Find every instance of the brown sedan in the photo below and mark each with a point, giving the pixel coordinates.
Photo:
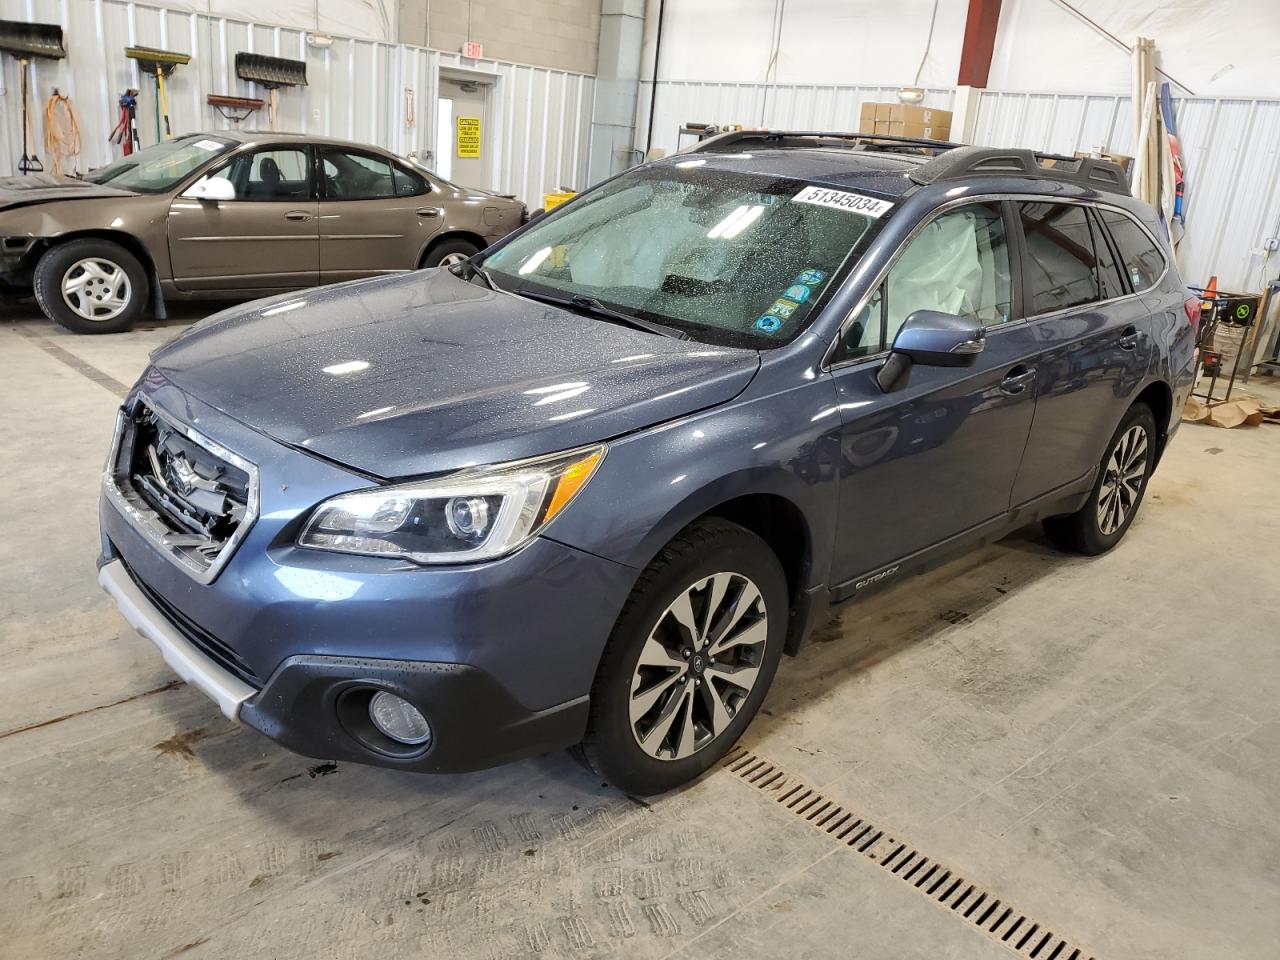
(231, 214)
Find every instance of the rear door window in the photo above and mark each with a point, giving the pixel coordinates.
(1060, 268)
(349, 175)
(1143, 261)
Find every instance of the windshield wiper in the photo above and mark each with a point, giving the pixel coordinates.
(476, 271)
(595, 308)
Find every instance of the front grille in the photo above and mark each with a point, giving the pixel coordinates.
(201, 638)
(191, 497)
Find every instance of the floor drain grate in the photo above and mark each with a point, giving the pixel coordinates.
(978, 907)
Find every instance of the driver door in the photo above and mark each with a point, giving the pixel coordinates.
(937, 456)
(266, 238)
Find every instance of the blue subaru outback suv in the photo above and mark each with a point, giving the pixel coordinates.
(588, 487)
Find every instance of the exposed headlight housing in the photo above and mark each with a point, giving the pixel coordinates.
(465, 517)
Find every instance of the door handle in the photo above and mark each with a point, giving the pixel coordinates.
(1016, 380)
(299, 215)
(428, 211)
(1128, 338)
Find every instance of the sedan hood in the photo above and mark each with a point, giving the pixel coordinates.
(424, 373)
(45, 187)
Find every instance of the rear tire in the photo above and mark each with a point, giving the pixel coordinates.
(689, 661)
(1117, 492)
(448, 252)
(91, 286)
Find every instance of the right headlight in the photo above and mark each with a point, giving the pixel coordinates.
(462, 518)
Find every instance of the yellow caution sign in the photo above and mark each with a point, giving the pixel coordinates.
(468, 137)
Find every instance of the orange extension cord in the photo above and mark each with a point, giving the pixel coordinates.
(61, 131)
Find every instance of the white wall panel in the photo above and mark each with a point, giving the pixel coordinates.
(791, 105)
(1232, 151)
(537, 134)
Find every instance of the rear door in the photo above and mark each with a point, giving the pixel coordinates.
(938, 456)
(1095, 339)
(264, 239)
(376, 215)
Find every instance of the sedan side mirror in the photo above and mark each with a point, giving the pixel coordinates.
(934, 339)
(210, 188)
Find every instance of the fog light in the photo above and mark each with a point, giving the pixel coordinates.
(398, 719)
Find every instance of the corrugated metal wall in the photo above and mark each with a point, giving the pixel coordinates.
(798, 106)
(356, 90)
(1232, 150)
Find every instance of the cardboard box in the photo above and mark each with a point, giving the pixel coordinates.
(867, 118)
(905, 120)
(918, 131)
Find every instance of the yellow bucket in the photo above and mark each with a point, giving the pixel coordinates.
(552, 200)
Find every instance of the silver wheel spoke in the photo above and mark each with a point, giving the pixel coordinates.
(652, 741)
(720, 715)
(682, 610)
(748, 636)
(642, 703)
(655, 654)
(743, 676)
(685, 747)
(746, 599)
(717, 587)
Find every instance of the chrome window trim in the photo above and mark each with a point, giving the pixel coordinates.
(828, 366)
(149, 526)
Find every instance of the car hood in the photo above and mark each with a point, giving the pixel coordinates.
(35, 188)
(424, 372)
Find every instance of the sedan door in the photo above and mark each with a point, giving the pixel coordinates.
(266, 238)
(939, 455)
(376, 216)
(1095, 339)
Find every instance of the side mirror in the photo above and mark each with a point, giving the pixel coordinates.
(210, 188)
(933, 339)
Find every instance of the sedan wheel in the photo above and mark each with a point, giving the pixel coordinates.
(449, 259)
(699, 664)
(1126, 471)
(96, 289)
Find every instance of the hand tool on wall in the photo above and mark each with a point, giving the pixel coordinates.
(233, 109)
(26, 41)
(271, 73)
(61, 130)
(158, 63)
(125, 132)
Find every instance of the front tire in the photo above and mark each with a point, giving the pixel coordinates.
(690, 660)
(1117, 492)
(91, 286)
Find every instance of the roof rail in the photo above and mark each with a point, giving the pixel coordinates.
(1006, 162)
(807, 138)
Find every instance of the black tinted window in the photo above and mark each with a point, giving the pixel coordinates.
(357, 176)
(1142, 261)
(1060, 266)
(1110, 276)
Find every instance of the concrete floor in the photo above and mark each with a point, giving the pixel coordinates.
(1094, 742)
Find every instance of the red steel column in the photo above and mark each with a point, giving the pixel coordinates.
(979, 43)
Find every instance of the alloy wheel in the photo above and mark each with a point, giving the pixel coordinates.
(698, 666)
(1125, 472)
(449, 259)
(96, 289)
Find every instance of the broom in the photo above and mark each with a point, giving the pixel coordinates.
(158, 63)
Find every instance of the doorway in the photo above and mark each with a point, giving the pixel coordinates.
(464, 134)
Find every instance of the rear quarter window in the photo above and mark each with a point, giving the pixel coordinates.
(1142, 259)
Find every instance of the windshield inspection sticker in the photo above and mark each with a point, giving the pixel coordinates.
(799, 293)
(843, 200)
(811, 277)
(768, 324)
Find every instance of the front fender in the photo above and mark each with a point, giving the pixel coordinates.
(654, 483)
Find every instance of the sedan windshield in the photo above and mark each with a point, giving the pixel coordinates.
(158, 168)
(728, 258)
